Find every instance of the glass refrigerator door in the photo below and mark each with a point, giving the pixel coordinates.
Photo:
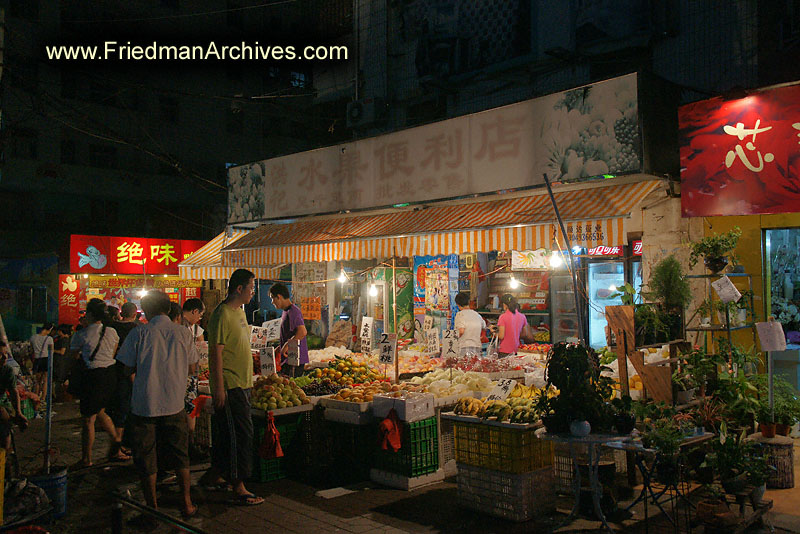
(565, 317)
(603, 280)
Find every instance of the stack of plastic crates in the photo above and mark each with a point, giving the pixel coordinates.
(418, 454)
(276, 468)
(447, 444)
(502, 471)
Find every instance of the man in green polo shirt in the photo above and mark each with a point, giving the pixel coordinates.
(231, 378)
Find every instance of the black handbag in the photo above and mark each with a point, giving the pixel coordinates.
(78, 376)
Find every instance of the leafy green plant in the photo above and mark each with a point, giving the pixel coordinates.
(663, 435)
(707, 414)
(729, 454)
(626, 293)
(623, 405)
(668, 286)
(705, 308)
(714, 246)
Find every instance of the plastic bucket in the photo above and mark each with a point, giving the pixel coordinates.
(55, 486)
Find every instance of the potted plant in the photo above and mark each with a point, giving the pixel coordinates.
(732, 313)
(624, 420)
(766, 421)
(729, 459)
(714, 249)
(668, 293)
(707, 414)
(713, 509)
(685, 385)
(664, 436)
(704, 312)
(758, 472)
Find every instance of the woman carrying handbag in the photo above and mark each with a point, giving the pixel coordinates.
(96, 346)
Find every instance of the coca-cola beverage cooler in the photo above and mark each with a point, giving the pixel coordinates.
(608, 268)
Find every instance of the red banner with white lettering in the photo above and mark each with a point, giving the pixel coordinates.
(128, 255)
(741, 157)
(605, 251)
(69, 299)
(637, 248)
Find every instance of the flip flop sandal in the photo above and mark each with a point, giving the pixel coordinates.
(189, 515)
(245, 500)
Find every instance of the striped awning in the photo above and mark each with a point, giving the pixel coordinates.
(206, 262)
(593, 216)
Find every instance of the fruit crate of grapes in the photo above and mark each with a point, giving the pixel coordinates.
(501, 448)
(516, 497)
(418, 454)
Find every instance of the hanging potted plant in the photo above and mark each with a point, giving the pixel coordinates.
(714, 249)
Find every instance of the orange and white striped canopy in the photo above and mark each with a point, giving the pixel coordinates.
(206, 262)
(593, 216)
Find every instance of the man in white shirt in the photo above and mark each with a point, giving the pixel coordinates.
(469, 326)
(160, 353)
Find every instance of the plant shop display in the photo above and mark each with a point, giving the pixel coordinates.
(664, 436)
(624, 420)
(714, 249)
(707, 414)
(731, 458)
(668, 293)
(574, 370)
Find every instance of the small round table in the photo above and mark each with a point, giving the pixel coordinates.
(780, 455)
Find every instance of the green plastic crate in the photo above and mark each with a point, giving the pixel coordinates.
(274, 468)
(418, 454)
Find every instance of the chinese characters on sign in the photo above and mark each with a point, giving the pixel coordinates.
(741, 157)
(273, 329)
(258, 337)
(267, 359)
(502, 390)
(449, 343)
(605, 251)
(511, 144)
(579, 232)
(432, 340)
(311, 308)
(366, 334)
(128, 255)
(388, 348)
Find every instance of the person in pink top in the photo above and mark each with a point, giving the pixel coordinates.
(509, 326)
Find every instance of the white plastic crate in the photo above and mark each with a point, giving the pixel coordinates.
(394, 480)
(514, 497)
(414, 407)
(347, 416)
(344, 405)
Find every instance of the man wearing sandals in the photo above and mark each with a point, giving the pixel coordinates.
(160, 353)
(231, 379)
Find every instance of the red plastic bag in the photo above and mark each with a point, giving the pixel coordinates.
(390, 432)
(271, 444)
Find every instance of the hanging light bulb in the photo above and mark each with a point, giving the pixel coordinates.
(514, 283)
(342, 277)
(373, 290)
(555, 260)
(612, 287)
(142, 293)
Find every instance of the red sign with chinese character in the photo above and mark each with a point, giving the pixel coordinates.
(69, 297)
(637, 248)
(128, 255)
(605, 251)
(741, 157)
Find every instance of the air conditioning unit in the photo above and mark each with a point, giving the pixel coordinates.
(363, 112)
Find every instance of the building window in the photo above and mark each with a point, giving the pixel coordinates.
(103, 156)
(67, 150)
(168, 109)
(24, 143)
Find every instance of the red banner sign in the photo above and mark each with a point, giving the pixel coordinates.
(128, 255)
(69, 299)
(605, 251)
(637, 248)
(741, 157)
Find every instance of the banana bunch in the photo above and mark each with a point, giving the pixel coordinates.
(499, 409)
(523, 410)
(469, 406)
(524, 392)
(542, 336)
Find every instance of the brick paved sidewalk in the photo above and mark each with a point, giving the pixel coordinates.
(291, 506)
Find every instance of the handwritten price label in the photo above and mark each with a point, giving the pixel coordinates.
(726, 290)
(366, 334)
(272, 329)
(258, 338)
(293, 357)
(449, 343)
(502, 390)
(432, 340)
(267, 358)
(388, 348)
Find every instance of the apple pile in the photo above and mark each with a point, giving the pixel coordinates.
(274, 392)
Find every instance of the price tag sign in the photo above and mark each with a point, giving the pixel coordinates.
(293, 356)
(428, 323)
(258, 338)
(432, 340)
(449, 343)
(388, 348)
(726, 291)
(267, 358)
(502, 390)
(366, 334)
(771, 335)
(273, 329)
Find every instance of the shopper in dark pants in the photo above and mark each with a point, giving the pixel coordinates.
(231, 378)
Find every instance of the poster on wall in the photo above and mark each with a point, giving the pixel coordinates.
(741, 157)
(443, 264)
(69, 297)
(304, 275)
